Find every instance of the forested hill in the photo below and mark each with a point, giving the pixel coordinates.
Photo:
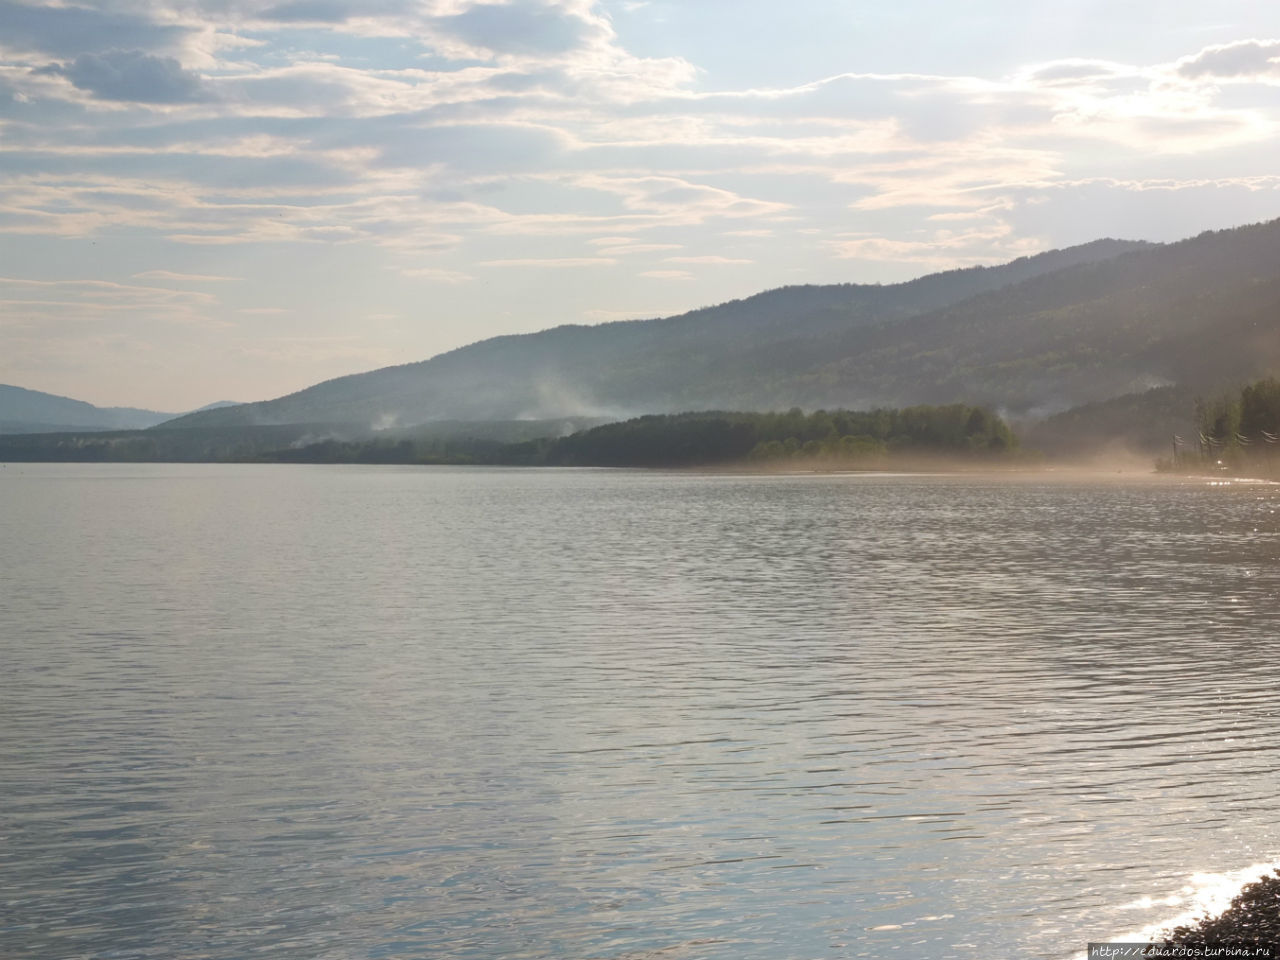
(760, 353)
(1030, 338)
(1197, 314)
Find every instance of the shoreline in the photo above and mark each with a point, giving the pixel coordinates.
(1012, 472)
(1235, 908)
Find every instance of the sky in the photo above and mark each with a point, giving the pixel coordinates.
(207, 200)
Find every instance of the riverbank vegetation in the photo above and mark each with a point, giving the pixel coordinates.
(837, 437)
(824, 439)
(1238, 432)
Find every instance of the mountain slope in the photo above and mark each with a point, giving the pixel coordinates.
(750, 353)
(1196, 313)
(1032, 337)
(31, 411)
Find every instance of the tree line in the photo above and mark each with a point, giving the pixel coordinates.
(835, 437)
(1235, 431)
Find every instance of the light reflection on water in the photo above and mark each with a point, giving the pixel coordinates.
(385, 712)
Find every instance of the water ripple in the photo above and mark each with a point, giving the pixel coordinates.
(383, 713)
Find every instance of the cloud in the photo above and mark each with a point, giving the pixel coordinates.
(679, 199)
(517, 28)
(1075, 70)
(438, 275)
(131, 75)
(941, 249)
(668, 274)
(971, 175)
(620, 246)
(163, 275)
(638, 248)
(310, 11)
(555, 263)
(475, 148)
(1243, 59)
(32, 303)
(711, 259)
(316, 87)
(67, 31)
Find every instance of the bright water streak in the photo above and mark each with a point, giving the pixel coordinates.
(388, 713)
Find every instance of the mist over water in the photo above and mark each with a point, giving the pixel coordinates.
(398, 712)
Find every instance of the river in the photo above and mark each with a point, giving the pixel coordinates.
(381, 712)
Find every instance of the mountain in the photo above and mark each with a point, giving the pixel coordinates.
(216, 405)
(1198, 313)
(755, 353)
(1031, 338)
(30, 411)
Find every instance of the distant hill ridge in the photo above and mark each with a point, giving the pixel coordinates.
(32, 411)
(755, 353)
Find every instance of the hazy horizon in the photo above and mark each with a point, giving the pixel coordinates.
(204, 201)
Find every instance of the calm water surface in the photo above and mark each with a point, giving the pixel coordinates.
(310, 712)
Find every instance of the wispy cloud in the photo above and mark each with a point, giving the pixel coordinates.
(553, 263)
(710, 259)
(437, 274)
(175, 277)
